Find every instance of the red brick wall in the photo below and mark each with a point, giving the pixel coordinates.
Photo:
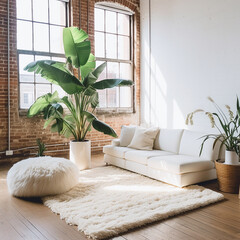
(25, 131)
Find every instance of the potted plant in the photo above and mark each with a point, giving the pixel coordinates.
(228, 128)
(82, 95)
(229, 136)
(41, 148)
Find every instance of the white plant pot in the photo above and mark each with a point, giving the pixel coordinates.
(231, 158)
(80, 154)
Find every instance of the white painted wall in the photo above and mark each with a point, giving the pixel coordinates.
(189, 51)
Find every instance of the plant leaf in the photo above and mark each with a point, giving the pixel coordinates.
(110, 83)
(103, 127)
(69, 83)
(99, 70)
(90, 117)
(88, 67)
(42, 104)
(76, 48)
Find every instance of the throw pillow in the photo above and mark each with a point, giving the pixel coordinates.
(126, 136)
(143, 138)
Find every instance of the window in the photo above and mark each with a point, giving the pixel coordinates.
(40, 24)
(113, 44)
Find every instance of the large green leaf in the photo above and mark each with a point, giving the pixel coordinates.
(68, 82)
(88, 67)
(76, 47)
(57, 126)
(103, 127)
(99, 69)
(94, 100)
(93, 76)
(42, 103)
(110, 83)
(90, 117)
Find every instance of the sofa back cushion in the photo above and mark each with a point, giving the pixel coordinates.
(127, 133)
(143, 138)
(191, 144)
(168, 140)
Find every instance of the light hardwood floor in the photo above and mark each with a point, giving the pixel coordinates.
(30, 220)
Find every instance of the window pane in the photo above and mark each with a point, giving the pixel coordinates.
(99, 44)
(111, 46)
(112, 70)
(113, 97)
(40, 10)
(58, 59)
(60, 91)
(42, 89)
(123, 24)
(57, 12)
(24, 9)
(126, 71)
(24, 35)
(26, 95)
(123, 48)
(99, 19)
(125, 96)
(41, 37)
(24, 60)
(111, 23)
(102, 98)
(56, 39)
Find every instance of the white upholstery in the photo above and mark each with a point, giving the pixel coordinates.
(42, 176)
(114, 161)
(182, 180)
(168, 140)
(179, 164)
(136, 167)
(116, 142)
(127, 133)
(175, 158)
(191, 144)
(142, 156)
(143, 138)
(116, 151)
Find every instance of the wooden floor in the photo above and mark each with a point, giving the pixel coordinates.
(30, 220)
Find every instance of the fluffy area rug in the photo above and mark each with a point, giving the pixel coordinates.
(109, 200)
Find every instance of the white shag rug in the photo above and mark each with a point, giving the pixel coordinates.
(109, 200)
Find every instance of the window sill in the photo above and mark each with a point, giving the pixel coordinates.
(22, 112)
(114, 111)
(106, 111)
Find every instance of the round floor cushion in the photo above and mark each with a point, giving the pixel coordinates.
(42, 176)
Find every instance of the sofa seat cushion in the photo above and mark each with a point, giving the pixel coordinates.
(116, 151)
(142, 156)
(180, 164)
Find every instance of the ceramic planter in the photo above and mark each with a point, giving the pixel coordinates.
(231, 158)
(80, 154)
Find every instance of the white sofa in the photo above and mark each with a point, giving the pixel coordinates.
(174, 159)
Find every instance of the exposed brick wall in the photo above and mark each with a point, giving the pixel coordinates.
(25, 131)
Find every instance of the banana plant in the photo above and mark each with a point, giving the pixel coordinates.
(81, 98)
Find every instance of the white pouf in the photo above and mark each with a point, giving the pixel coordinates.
(42, 176)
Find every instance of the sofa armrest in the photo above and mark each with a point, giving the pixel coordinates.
(116, 142)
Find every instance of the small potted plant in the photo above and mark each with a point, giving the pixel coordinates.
(229, 136)
(41, 148)
(81, 98)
